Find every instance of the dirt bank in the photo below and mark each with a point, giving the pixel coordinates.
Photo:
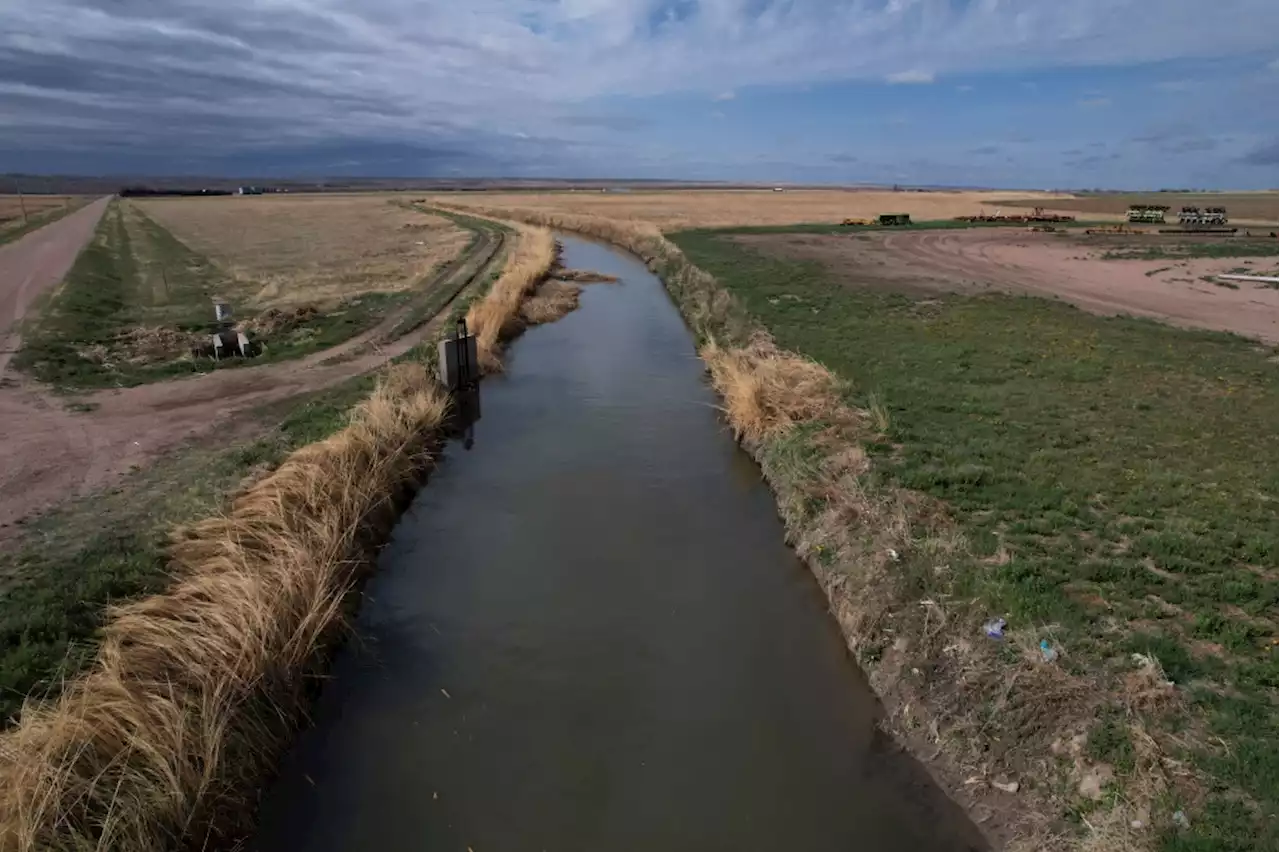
(1068, 267)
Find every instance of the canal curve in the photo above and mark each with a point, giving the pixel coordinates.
(587, 633)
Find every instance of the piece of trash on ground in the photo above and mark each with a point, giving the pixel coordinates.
(995, 628)
(1049, 652)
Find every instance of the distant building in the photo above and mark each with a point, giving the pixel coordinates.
(249, 190)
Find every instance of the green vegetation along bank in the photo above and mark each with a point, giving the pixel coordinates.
(1114, 481)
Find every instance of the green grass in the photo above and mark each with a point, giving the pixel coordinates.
(1128, 468)
(73, 562)
(132, 274)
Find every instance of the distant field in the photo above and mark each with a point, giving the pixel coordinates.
(40, 210)
(681, 209)
(1243, 207)
(284, 251)
(300, 275)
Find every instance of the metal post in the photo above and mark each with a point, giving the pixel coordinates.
(23, 205)
(466, 383)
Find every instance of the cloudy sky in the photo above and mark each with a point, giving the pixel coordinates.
(1035, 93)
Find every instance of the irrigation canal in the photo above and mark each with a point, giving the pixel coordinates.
(588, 634)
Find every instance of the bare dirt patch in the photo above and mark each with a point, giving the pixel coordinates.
(674, 210)
(287, 251)
(1067, 266)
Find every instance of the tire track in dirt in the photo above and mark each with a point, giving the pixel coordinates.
(51, 453)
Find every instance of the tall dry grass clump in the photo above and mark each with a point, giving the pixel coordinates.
(497, 317)
(195, 690)
(767, 390)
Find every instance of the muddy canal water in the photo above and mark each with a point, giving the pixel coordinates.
(588, 634)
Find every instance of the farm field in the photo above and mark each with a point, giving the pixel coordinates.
(681, 209)
(300, 275)
(40, 210)
(1112, 483)
(1259, 208)
(282, 252)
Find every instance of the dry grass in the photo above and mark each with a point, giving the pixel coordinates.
(39, 210)
(195, 690)
(679, 209)
(497, 317)
(284, 251)
(767, 390)
(552, 300)
(987, 713)
(11, 207)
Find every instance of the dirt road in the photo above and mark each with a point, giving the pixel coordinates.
(37, 262)
(51, 452)
(1052, 265)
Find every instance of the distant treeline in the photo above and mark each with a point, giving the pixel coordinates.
(139, 191)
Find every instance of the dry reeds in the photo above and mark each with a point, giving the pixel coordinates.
(552, 300)
(496, 318)
(194, 690)
(767, 390)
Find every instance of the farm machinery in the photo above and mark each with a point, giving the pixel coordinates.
(1193, 220)
(884, 220)
(1149, 214)
(1212, 217)
(1036, 215)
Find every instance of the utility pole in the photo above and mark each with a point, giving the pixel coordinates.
(22, 204)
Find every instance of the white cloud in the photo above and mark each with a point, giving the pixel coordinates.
(217, 74)
(910, 77)
(965, 88)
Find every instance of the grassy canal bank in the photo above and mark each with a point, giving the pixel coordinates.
(1113, 482)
